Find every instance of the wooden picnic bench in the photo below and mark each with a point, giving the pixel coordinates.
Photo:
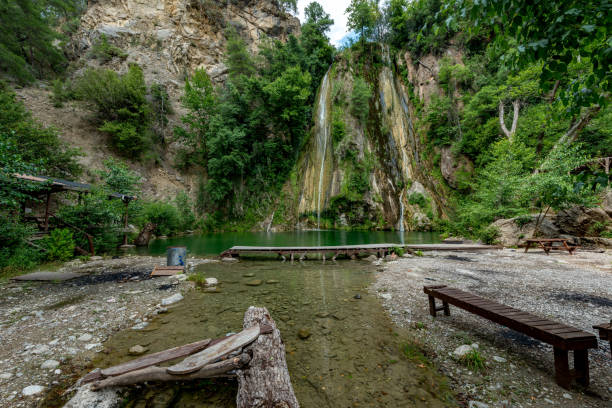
(547, 244)
(605, 333)
(562, 337)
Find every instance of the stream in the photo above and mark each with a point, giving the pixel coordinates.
(349, 353)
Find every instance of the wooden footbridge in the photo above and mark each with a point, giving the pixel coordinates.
(350, 251)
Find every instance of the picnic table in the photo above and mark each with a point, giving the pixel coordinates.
(547, 244)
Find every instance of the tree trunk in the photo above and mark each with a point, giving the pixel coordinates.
(265, 383)
(509, 133)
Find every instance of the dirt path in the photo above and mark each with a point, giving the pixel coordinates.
(576, 290)
(49, 330)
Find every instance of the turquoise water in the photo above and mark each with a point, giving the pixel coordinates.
(214, 244)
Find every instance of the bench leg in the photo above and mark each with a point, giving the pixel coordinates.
(446, 308)
(562, 373)
(581, 366)
(432, 306)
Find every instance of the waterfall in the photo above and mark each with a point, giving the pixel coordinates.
(323, 134)
(401, 217)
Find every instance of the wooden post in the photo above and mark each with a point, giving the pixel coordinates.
(562, 373)
(581, 366)
(432, 305)
(47, 211)
(266, 382)
(125, 223)
(446, 308)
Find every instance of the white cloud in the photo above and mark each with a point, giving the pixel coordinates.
(336, 10)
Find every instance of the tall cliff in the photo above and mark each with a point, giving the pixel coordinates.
(168, 39)
(377, 172)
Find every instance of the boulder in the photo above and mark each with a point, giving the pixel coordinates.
(464, 349)
(514, 230)
(208, 282)
(606, 204)
(582, 221)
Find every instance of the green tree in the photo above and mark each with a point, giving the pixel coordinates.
(556, 33)
(318, 18)
(27, 49)
(360, 98)
(239, 61)
(362, 17)
(123, 109)
(118, 178)
(200, 100)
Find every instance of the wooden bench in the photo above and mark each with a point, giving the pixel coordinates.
(547, 244)
(563, 338)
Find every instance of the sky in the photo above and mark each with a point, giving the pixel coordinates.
(335, 9)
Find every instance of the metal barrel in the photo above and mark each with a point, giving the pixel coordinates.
(176, 256)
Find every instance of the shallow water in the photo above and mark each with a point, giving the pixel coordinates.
(214, 244)
(353, 357)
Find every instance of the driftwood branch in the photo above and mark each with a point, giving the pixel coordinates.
(266, 382)
(509, 133)
(572, 133)
(220, 369)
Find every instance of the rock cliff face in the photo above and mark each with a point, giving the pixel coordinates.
(171, 38)
(402, 192)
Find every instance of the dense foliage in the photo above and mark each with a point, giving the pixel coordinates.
(30, 29)
(248, 133)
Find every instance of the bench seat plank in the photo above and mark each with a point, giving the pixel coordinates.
(529, 324)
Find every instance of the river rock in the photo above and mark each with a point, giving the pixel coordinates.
(49, 364)
(86, 398)
(464, 349)
(477, 404)
(229, 259)
(6, 376)
(177, 297)
(85, 337)
(137, 350)
(272, 281)
(32, 390)
(499, 359)
(371, 258)
(303, 334)
(254, 282)
(40, 349)
(210, 282)
(248, 275)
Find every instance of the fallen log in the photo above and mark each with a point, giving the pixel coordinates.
(216, 352)
(220, 369)
(156, 358)
(265, 382)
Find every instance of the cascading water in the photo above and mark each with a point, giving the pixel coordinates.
(400, 227)
(323, 134)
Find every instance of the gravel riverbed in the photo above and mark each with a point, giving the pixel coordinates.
(518, 372)
(50, 330)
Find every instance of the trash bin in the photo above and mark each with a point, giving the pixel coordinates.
(176, 256)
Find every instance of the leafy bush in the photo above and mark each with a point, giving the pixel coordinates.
(105, 51)
(184, 206)
(15, 255)
(61, 92)
(489, 235)
(123, 109)
(60, 245)
(165, 216)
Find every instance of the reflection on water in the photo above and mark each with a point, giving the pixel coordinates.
(214, 244)
(352, 357)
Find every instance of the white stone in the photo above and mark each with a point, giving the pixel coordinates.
(177, 297)
(211, 282)
(477, 404)
(385, 295)
(85, 337)
(140, 326)
(57, 371)
(567, 396)
(499, 359)
(92, 346)
(551, 402)
(32, 390)
(86, 398)
(180, 277)
(53, 342)
(229, 259)
(463, 350)
(49, 364)
(40, 349)
(6, 376)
